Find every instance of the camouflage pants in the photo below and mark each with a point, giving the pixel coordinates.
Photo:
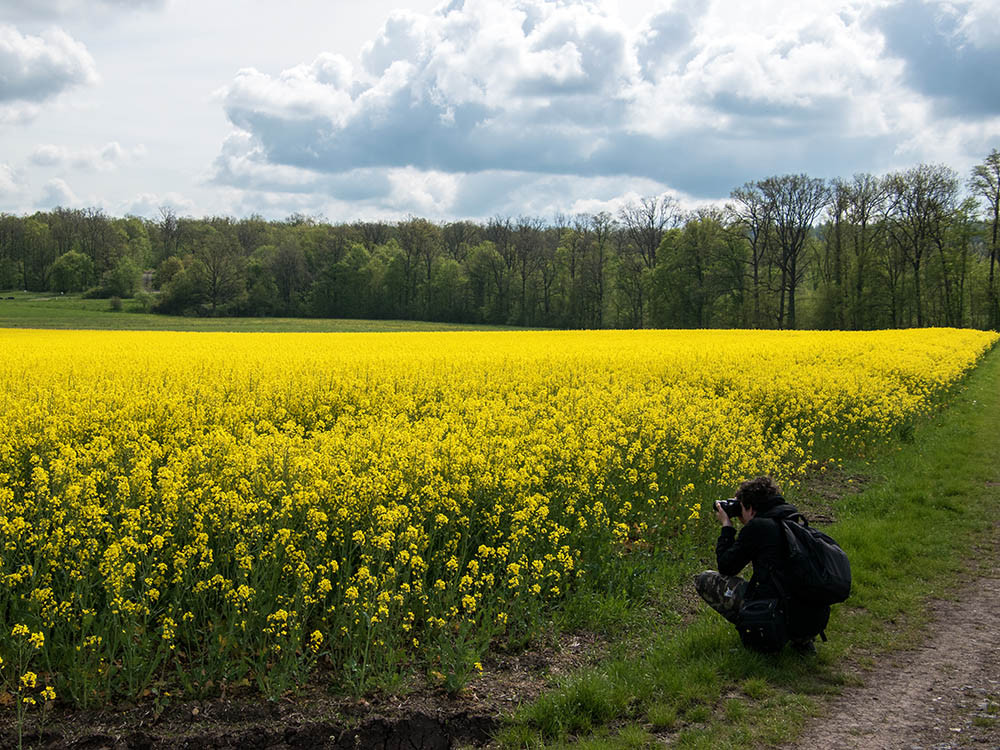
(724, 594)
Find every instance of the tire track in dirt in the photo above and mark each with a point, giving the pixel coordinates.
(941, 695)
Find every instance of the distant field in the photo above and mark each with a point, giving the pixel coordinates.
(42, 310)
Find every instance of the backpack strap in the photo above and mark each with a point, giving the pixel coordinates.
(798, 518)
(775, 575)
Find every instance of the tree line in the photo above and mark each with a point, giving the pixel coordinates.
(911, 248)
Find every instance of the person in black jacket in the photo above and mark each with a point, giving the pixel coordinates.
(761, 543)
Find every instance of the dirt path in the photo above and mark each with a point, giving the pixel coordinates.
(944, 694)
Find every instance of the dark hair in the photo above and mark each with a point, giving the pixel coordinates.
(760, 493)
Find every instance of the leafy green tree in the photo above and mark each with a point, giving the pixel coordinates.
(71, 272)
(489, 282)
(695, 273)
(252, 232)
(101, 240)
(450, 293)
(166, 271)
(291, 276)
(420, 242)
(263, 297)
(180, 295)
(339, 289)
(123, 280)
(573, 247)
(39, 252)
(217, 270)
(12, 252)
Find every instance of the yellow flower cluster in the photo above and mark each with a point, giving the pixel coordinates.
(248, 498)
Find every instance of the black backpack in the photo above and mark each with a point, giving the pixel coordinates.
(817, 570)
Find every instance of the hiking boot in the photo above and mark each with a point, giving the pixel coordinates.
(805, 648)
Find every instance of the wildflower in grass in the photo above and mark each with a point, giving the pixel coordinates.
(168, 631)
(315, 641)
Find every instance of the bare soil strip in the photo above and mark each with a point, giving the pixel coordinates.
(943, 694)
(424, 719)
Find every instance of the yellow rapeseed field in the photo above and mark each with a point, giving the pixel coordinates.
(204, 508)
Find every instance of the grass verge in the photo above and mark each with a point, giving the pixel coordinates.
(909, 534)
(39, 310)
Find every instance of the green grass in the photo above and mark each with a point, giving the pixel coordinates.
(909, 536)
(71, 311)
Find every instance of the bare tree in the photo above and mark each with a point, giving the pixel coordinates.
(922, 202)
(833, 266)
(500, 231)
(373, 233)
(552, 237)
(866, 196)
(753, 216)
(646, 221)
(602, 227)
(796, 201)
(528, 249)
(65, 224)
(169, 231)
(574, 246)
(458, 237)
(985, 184)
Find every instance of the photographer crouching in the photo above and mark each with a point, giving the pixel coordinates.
(767, 610)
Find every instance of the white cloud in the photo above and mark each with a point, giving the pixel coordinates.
(487, 85)
(10, 182)
(36, 68)
(57, 193)
(18, 113)
(106, 158)
(148, 205)
(426, 192)
(978, 21)
(242, 164)
(699, 98)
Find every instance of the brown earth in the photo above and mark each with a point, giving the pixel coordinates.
(422, 719)
(941, 695)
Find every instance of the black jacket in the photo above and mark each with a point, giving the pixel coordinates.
(762, 543)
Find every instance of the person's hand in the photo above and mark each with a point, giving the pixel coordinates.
(721, 515)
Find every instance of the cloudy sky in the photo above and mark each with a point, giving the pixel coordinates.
(360, 109)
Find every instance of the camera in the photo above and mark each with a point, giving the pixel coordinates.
(731, 506)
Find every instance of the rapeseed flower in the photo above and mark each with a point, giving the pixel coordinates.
(197, 497)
